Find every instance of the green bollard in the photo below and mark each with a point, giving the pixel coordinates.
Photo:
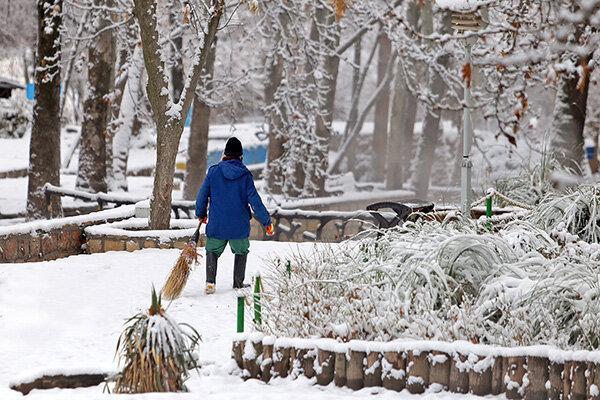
(240, 314)
(488, 210)
(257, 307)
(288, 268)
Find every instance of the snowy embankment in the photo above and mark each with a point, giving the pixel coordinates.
(66, 315)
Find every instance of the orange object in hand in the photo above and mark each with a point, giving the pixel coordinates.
(270, 230)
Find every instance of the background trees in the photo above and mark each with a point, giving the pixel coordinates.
(364, 90)
(169, 113)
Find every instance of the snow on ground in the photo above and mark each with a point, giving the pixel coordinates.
(66, 315)
(14, 154)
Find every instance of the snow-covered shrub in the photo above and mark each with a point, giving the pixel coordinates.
(409, 281)
(157, 353)
(531, 185)
(566, 300)
(15, 115)
(576, 211)
(447, 281)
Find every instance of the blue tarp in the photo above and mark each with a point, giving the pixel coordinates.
(30, 90)
(252, 155)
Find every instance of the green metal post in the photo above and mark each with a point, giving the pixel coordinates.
(240, 314)
(257, 307)
(488, 210)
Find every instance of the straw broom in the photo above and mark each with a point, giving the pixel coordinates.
(182, 268)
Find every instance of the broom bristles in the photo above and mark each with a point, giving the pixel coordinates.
(180, 272)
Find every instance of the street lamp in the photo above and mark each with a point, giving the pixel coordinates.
(467, 21)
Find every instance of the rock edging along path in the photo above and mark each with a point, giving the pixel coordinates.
(45, 240)
(531, 372)
(133, 234)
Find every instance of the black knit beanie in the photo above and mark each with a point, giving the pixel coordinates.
(233, 148)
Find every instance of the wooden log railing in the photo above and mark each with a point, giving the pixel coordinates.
(531, 373)
(290, 224)
(106, 199)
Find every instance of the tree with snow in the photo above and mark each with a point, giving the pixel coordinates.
(44, 148)
(169, 114)
(91, 175)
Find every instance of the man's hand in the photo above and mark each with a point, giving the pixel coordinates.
(203, 220)
(270, 230)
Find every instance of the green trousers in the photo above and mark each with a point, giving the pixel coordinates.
(238, 246)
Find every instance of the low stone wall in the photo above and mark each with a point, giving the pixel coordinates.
(532, 373)
(133, 234)
(51, 239)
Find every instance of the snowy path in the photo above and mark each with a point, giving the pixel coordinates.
(66, 315)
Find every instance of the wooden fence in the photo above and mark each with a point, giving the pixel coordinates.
(531, 373)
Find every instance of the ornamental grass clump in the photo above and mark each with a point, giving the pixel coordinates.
(577, 211)
(521, 285)
(157, 352)
(530, 186)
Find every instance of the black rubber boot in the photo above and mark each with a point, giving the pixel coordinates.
(211, 267)
(239, 271)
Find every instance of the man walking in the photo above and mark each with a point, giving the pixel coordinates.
(229, 188)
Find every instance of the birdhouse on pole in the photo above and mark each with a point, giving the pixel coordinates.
(467, 15)
(466, 21)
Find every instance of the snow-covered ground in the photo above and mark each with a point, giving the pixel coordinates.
(66, 315)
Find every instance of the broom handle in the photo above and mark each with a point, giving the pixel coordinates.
(196, 236)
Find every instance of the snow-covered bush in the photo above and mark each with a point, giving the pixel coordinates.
(577, 211)
(566, 299)
(531, 185)
(448, 281)
(15, 115)
(157, 353)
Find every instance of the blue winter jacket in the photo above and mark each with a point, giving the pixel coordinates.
(230, 188)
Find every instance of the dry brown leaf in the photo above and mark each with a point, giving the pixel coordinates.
(583, 76)
(186, 14)
(339, 7)
(467, 73)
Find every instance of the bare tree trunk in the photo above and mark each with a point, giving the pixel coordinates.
(130, 105)
(83, 27)
(431, 125)
(401, 139)
(353, 112)
(352, 136)
(44, 148)
(382, 105)
(568, 121)
(168, 127)
(353, 118)
(196, 165)
(400, 147)
(115, 109)
(274, 75)
(91, 174)
(331, 64)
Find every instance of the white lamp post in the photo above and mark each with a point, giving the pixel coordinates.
(462, 22)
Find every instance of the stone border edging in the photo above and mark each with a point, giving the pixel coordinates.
(528, 372)
(45, 240)
(130, 235)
